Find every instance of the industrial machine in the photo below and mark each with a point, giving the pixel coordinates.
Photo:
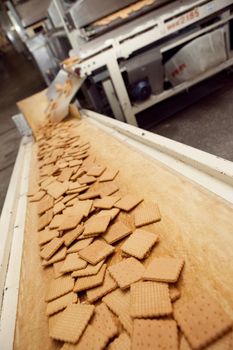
(133, 54)
(129, 54)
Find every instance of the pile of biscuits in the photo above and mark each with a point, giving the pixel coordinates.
(106, 293)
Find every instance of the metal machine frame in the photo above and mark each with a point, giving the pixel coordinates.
(107, 50)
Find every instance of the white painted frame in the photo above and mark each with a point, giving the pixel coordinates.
(11, 242)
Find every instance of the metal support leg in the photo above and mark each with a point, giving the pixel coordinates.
(112, 100)
(120, 89)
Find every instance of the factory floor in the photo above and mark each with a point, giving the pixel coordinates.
(207, 124)
(19, 79)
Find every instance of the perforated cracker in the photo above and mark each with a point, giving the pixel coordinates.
(57, 189)
(109, 212)
(70, 236)
(89, 195)
(146, 215)
(91, 339)
(45, 204)
(96, 225)
(73, 262)
(37, 196)
(79, 245)
(46, 236)
(108, 175)
(104, 322)
(61, 303)
(126, 272)
(116, 232)
(139, 243)
(65, 175)
(56, 269)
(58, 208)
(88, 282)
(60, 255)
(96, 170)
(106, 202)
(70, 222)
(128, 202)
(202, 320)
(72, 323)
(154, 335)
(56, 221)
(96, 293)
(88, 271)
(59, 287)
(123, 342)
(164, 269)
(174, 293)
(108, 189)
(85, 179)
(50, 248)
(127, 323)
(149, 299)
(118, 302)
(96, 252)
(45, 219)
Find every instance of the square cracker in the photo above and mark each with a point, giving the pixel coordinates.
(96, 170)
(91, 339)
(107, 189)
(56, 221)
(58, 208)
(96, 225)
(61, 303)
(123, 342)
(164, 269)
(88, 271)
(57, 189)
(106, 202)
(73, 262)
(37, 196)
(109, 212)
(70, 236)
(104, 322)
(44, 204)
(96, 252)
(116, 232)
(58, 256)
(80, 244)
(70, 222)
(128, 202)
(202, 320)
(127, 323)
(72, 322)
(146, 215)
(108, 175)
(139, 243)
(50, 248)
(155, 335)
(45, 219)
(98, 292)
(118, 301)
(46, 236)
(56, 269)
(59, 287)
(149, 299)
(126, 272)
(88, 282)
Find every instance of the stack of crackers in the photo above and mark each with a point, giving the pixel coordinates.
(108, 291)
